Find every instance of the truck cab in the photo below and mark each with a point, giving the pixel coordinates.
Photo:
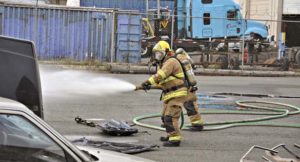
(203, 19)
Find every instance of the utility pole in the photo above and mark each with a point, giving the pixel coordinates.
(147, 7)
(279, 18)
(158, 9)
(247, 9)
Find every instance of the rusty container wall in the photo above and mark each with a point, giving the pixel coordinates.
(60, 33)
(128, 38)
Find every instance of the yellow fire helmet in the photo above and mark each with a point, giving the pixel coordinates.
(160, 50)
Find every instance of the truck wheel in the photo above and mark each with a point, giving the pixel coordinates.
(234, 63)
(223, 61)
(297, 57)
(145, 52)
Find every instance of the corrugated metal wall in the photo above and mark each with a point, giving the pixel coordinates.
(128, 37)
(291, 7)
(127, 4)
(65, 33)
(265, 10)
(260, 9)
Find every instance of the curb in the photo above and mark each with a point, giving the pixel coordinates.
(219, 72)
(142, 69)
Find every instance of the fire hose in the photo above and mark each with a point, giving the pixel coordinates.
(158, 115)
(274, 111)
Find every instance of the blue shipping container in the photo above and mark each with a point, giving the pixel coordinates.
(60, 33)
(66, 33)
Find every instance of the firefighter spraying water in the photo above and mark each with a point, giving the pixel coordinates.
(176, 79)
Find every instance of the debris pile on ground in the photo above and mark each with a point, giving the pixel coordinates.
(272, 154)
(127, 148)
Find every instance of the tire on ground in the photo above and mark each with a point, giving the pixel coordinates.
(297, 57)
(285, 64)
(223, 61)
(234, 63)
(205, 64)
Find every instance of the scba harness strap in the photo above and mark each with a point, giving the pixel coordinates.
(175, 88)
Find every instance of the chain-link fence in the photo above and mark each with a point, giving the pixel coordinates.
(217, 38)
(225, 40)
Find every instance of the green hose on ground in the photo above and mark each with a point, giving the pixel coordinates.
(273, 113)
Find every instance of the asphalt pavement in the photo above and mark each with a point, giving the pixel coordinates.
(226, 145)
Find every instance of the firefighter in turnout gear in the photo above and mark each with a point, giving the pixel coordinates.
(191, 105)
(171, 78)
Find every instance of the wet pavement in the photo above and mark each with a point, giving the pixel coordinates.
(226, 145)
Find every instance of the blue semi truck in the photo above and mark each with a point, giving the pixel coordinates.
(196, 22)
(200, 19)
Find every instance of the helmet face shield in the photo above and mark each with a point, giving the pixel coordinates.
(158, 55)
(159, 50)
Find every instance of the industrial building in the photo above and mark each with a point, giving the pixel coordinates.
(279, 15)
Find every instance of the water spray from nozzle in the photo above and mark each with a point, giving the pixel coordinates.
(68, 83)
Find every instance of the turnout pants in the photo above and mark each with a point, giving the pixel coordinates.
(172, 110)
(192, 109)
(171, 115)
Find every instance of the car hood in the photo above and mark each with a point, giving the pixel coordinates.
(109, 156)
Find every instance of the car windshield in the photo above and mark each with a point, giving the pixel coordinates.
(21, 140)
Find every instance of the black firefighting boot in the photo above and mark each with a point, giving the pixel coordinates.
(196, 128)
(171, 144)
(164, 139)
(163, 123)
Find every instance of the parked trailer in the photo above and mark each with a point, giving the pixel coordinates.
(139, 5)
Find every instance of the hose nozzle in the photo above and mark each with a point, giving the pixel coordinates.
(138, 88)
(142, 88)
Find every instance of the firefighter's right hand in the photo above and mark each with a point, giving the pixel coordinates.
(146, 85)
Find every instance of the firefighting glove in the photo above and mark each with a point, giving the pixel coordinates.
(146, 85)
